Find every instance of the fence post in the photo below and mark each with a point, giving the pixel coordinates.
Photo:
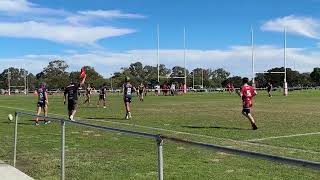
(160, 157)
(62, 149)
(16, 116)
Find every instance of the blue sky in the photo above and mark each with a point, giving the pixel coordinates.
(110, 34)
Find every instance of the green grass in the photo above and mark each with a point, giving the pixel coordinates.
(211, 118)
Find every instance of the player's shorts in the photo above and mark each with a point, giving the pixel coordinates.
(127, 99)
(269, 89)
(246, 110)
(41, 104)
(72, 105)
(102, 97)
(140, 92)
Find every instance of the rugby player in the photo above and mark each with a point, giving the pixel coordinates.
(42, 103)
(141, 90)
(269, 88)
(127, 90)
(88, 95)
(71, 93)
(102, 95)
(247, 93)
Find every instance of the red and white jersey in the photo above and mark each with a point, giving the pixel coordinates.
(247, 93)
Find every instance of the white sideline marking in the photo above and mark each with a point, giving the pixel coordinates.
(287, 136)
(186, 133)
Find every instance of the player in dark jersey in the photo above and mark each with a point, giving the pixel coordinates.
(88, 95)
(71, 93)
(42, 103)
(247, 93)
(127, 90)
(269, 88)
(141, 90)
(102, 95)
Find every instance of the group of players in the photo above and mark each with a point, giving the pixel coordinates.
(71, 94)
(246, 93)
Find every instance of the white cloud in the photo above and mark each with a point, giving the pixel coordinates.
(111, 14)
(58, 25)
(90, 15)
(236, 59)
(13, 7)
(305, 26)
(60, 33)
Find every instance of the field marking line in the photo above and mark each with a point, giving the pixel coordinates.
(186, 133)
(286, 136)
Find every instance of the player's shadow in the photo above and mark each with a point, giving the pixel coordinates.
(215, 127)
(105, 118)
(19, 123)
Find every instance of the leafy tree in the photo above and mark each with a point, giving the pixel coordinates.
(55, 74)
(235, 80)
(315, 76)
(219, 76)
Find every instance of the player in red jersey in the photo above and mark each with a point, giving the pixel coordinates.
(247, 93)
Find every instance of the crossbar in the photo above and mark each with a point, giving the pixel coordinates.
(273, 72)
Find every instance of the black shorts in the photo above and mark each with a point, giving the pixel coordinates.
(269, 89)
(41, 104)
(72, 105)
(140, 92)
(102, 97)
(246, 110)
(127, 99)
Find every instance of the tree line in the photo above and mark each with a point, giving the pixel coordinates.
(56, 76)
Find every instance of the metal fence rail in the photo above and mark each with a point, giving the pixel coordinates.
(159, 140)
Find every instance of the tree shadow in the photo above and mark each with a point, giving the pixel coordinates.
(214, 127)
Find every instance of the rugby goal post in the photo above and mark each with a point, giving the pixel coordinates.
(184, 58)
(25, 86)
(285, 84)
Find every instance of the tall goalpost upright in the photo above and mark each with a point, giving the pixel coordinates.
(184, 58)
(285, 84)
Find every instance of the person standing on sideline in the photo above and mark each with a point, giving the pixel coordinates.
(42, 104)
(247, 93)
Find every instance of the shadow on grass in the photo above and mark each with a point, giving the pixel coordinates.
(214, 127)
(105, 118)
(19, 123)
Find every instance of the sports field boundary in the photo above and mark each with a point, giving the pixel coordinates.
(285, 136)
(182, 132)
(159, 140)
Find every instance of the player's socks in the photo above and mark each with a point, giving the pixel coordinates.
(130, 115)
(254, 126)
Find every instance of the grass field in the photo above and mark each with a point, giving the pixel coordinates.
(212, 118)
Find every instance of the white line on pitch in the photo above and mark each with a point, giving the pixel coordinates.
(186, 133)
(286, 136)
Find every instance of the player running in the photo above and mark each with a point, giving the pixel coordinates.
(127, 89)
(43, 102)
(247, 93)
(269, 88)
(102, 95)
(141, 90)
(71, 92)
(88, 95)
